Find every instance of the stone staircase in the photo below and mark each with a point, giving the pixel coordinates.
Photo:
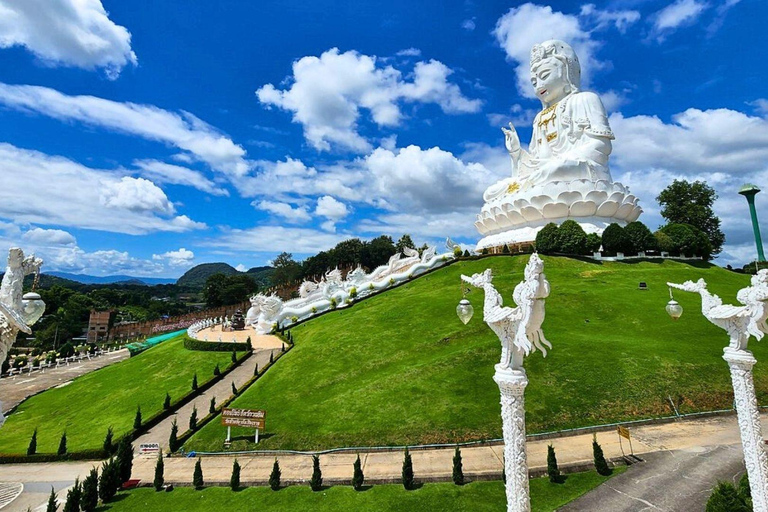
(9, 492)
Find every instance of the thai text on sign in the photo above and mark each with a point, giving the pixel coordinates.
(248, 418)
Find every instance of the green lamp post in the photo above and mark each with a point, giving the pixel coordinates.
(749, 191)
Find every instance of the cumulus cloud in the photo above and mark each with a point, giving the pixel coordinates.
(522, 27)
(201, 141)
(676, 14)
(326, 95)
(468, 25)
(48, 237)
(284, 210)
(275, 239)
(162, 172)
(44, 189)
(177, 258)
(329, 207)
(75, 33)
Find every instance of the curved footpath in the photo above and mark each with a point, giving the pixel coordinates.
(685, 460)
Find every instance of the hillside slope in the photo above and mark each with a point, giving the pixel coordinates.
(197, 275)
(400, 368)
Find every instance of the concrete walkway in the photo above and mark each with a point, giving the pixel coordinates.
(717, 436)
(221, 391)
(14, 390)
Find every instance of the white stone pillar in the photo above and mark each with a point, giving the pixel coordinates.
(755, 459)
(512, 385)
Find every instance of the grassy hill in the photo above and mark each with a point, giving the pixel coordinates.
(400, 368)
(196, 276)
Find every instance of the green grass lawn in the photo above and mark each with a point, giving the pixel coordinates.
(400, 368)
(475, 497)
(87, 406)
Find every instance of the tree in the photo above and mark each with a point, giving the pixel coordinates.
(194, 382)
(614, 239)
(234, 480)
(193, 419)
(137, 418)
(744, 491)
(407, 472)
(688, 240)
(316, 482)
(405, 241)
(213, 292)
(346, 253)
(571, 238)
(594, 242)
(357, 475)
(52, 504)
(212, 406)
(173, 441)
(108, 481)
(73, 498)
(249, 344)
(552, 470)
(256, 370)
(216, 370)
(167, 401)
(32, 448)
(197, 476)
(725, 498)
(234, 388)
(124, 459)
(107, 445)
(377, 252)
(89, 500)
(159, 473)
(597, 454)
(546, 239)
(233, 358)
(683, 202)
(458, 470)
(274, 476)
(286, 269)
(639, 238)
(62, 444)
(664, 241)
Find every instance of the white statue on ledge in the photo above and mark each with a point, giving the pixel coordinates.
(565, 172)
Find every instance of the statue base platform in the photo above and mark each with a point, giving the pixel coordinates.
(516, 218)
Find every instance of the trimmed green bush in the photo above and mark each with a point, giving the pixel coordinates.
(108, 481)
(407, 473)
(274, 476)
(194, 382)
(124, 459)
(614, 239)
(217, 370)
(193, 419)
(458, 470)
(725, 498)
(357, 476)
(32, 448)
(594, 242)
(214, 346)
(73, 498)
(552, 470)
(90, 497)
(234, 357)
(639, 238)
(212, 406)
(234, 480)
(52, 504)
(159, 473)
(197, 477)
(167, 401)
(137, 418)
(571, 238)
(107, 445)
(234, 388)
(599, 458)
(688, 240)
(546, 239)
(316, 482)
(744, 491)
(62, 444)
(173, 439)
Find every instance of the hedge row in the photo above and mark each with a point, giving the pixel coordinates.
(213, 346)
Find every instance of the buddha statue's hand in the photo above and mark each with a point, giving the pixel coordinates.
(511, 140)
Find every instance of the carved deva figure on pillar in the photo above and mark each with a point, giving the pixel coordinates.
(564, 173)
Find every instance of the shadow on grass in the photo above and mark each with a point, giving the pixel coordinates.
(559, 479)
(117, 499)
(250, 438)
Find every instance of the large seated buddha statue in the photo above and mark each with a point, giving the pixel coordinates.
(564, 174)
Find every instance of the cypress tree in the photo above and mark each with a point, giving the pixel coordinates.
(193, 419)
(52, 505)
(194, 382)
(282, 347)
(271, 358)
(32, 448)
(89, 500)
(159, 472)
(358, 478)
(62, 444)
(234, 480)
(458, 470)
(137, 419)
(197, 477)
(108, 481)
(274, 476)
(743, 489)
(216, 370)
(316, 482)
(249, 344)
(173, 442)
(234, 388)
(256, 370)
(212, 407)
(73, 498)
(725, 498)
(167, 401)
(552, 469)
(407, 473)
(124, 459)
(600, 464)
(234, 357)
(108, 446)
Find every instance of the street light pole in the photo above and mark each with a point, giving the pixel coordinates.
(519, 330)
(750, 191)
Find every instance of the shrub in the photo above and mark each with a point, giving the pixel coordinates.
(32, 448)
(193, 419)
(725, 498)
(89, 500)
(546, 239)
(52, 505)
(314, 310)
(357, 476)
(505, 249)
(571, 238)
(167, 401)
(274, 476)
(744, 491)
(62, 445)
(194, 382)
(137, 418)
(197, 477)
(108, 481)
(173, 439)
(353, 292)
(107, 445)
(216, 370)
(597, 454)
(256, 370)
(594, 242)
(552, 470)
(457, 251)
(249, 344)
(316, 482)
(73, 498)
(294, 319)
(484, 251)
(234, 357)
(124, 459)
(234, 480)
(407, 473)
(6, 366)
(458, 470)
(66, 350)
(20, 362)
(271, 358)
(639, 238)
(664, 241)
(688, 240)
(212, 406)
(234, 388)
(159, 471)
(614, 239)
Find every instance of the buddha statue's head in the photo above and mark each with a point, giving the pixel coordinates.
(555, 71)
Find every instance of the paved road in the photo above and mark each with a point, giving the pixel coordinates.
(14, 390)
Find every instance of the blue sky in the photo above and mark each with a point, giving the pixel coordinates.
(147, 137)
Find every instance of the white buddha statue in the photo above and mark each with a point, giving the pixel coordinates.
(564, 173)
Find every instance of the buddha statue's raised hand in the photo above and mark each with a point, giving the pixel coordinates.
(511, 140)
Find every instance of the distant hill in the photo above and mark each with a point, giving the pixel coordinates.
(261, 275)
(196, 276)
(117, 279)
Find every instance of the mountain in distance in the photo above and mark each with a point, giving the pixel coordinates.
(197, 275)
(261, 275)
(116, 279)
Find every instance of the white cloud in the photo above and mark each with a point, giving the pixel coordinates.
(178, 258)
(162, 172)
(43, 189)
(409, 52)
(275, 239)
(760, 105)
(620, 19)
(613, 99)
(326, 94)
(518, 116)
(284, 210)
(468, 25)
(676, 14)
(284, 179)
(67, 33)
(330, 208)
(183, 131)
(48, 237)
